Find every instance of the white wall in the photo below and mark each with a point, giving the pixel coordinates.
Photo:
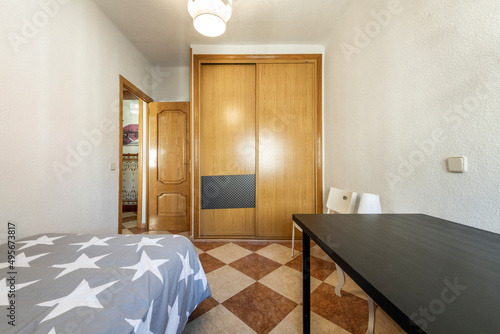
(173, 86)
(423, 85)
(257, 49)
(63, 81)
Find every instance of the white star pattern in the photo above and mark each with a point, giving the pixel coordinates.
(52, 331)
(43, 240)
(92, 242)
(201, 275)
(22, 261)
(83, 295)
(145, 264)
(146, 242)
(186, 268)
(135, 323)
(173, 317)
(5, 287)
(83, 262)
(139, 325)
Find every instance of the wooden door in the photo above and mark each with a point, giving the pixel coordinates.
(286, 112)
(227, 150)
(169, 166)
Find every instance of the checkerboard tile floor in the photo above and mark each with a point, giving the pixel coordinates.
(257, 288)
(129, 226)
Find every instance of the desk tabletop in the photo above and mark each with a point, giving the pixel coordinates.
(425, 271)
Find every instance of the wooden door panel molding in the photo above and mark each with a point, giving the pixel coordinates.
(172, 205)
(169, 166)
(171, 146)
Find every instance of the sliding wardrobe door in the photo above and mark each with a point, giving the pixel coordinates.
(227, 149)
(286, 113)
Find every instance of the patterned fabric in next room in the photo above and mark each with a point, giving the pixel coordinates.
(130, 179)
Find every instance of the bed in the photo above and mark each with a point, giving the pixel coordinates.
(67, 283)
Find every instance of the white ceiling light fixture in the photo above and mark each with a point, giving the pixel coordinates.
(210, 16)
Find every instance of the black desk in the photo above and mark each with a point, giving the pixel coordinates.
(423, 271)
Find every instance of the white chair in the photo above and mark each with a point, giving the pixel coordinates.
(368, 204)
(339, 201)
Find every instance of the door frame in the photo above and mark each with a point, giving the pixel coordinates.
(143, 97)
(200, 59)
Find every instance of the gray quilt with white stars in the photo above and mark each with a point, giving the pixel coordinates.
(66, 283)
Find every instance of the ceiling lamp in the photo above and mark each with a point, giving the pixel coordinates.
(210, 16)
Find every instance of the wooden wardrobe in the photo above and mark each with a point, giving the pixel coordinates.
(257, 144)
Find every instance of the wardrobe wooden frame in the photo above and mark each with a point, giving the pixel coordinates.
(198, 61)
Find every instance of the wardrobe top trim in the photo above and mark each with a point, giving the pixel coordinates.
(256, 59)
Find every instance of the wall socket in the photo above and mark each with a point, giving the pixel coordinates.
(457, 164)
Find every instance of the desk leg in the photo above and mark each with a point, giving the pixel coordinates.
(306, 283)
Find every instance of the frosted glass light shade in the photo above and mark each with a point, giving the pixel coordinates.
(210, 16)
(369, 203)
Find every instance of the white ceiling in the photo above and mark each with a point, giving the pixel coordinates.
(163, 29)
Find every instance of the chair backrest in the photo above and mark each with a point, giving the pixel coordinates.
(341, 201)
(369, 203)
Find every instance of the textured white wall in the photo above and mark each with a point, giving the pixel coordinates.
(412, 88)
(61, 82)
(257, 49)
(174, 85)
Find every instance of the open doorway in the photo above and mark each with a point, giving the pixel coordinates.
(133, 158)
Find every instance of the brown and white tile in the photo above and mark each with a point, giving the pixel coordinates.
(277, 253)
(288, 282)
(225, 282)
(216, 321)
(292, 324)
(256, 266)
(229, 253)
(259, 307)
(349, 312)
(320, 269)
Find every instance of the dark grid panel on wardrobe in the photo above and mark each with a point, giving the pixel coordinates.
(228, 191)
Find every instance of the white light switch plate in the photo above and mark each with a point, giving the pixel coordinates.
(112, 166)
(457, 164)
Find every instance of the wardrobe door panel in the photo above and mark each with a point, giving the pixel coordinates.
(228, 222)
(286, 113)
(227, 122)
(227, 149)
